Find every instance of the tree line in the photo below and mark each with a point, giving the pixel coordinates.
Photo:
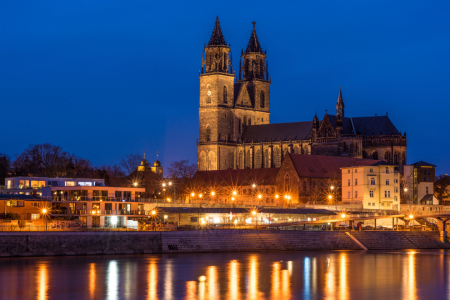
(47, 160)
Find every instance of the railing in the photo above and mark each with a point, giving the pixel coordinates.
(98, 212)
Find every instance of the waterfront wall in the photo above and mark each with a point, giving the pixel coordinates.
(108, 243)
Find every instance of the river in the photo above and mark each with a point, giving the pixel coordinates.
(406, 274)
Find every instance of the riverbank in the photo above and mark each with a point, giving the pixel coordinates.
(108, 243)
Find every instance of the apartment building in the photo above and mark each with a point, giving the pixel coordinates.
(376, 186)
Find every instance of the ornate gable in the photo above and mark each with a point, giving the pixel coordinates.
(326, 129)
(243, 98)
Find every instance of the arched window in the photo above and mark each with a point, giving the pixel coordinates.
(208, 94)
(258, 159)
(286, 182)
(247, 160)
(395, 158)
(208, 134)
(240, 126)
(375, 155)
(306, 150)
(296, 150)
(344, 147)
(277, 157)
(241, 160)
(387, 156)
(225, 94)
(266, 159)
(262, 99)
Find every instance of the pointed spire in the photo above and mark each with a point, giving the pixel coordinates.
(253, 44)
(340, 100)
(217, 36)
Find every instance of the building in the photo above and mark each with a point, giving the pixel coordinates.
(234, 118)
(157, 168)
(86, 199)
(419, 183)
(27, 207)
(374, 185)
(301, 178)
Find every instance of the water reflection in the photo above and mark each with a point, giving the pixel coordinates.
(92, 280)
(152, 280)
(113, 280)
(232, 276)
(42, 282)
(409, 278)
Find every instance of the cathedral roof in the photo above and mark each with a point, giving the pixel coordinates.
(253, 44)
(340, 100)
(276, 132)
(217, 38)
(366, 125)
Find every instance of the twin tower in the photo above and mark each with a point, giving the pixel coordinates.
(229, 104)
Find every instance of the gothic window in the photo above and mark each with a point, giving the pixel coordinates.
(344, 147)
(277, 158)
(240, 126)
(266, 159)
(395, 158)
(241, 160)
(296, 150)
(306, 150)
(208, 94)
(258, 159)
(247, 160)
(286, 182)
(208, 134)
(387, 156)
(262, 99)
(375, 155)
(225, 94)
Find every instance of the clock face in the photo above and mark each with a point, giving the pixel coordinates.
(209, 93)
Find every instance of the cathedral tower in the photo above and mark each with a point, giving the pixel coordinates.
(253, 86)
(216, 119)
(339, 114)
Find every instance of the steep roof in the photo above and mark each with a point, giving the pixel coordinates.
(217, 38)
(423, 164)
(318, 166)
(253, 43)
(367, 125)
(239, 177)
(276, 132)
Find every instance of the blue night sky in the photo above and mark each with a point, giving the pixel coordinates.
(107, 78)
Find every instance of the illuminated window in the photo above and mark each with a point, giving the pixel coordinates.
(387, 181)
(356, 194)
(372, 181)
(371, 194)
(70, 183)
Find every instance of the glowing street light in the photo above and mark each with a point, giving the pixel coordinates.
(168, 199)
(164, 184)
(192, 194)
(200, 195)
(153, 212)
(213, 193)
(44, 211)
(135, 184)
(405, 189)
(253, 185)
(411, 217)
(232, 198)
(170, 182)
(332, 187)
(276, 196)
(234, 193)
(253, 212)
(259, 196)
(343, 216)
(330, 197)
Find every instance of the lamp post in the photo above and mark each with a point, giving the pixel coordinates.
(44, 212)
(256, 219)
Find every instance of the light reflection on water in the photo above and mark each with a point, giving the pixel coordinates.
(233, 276)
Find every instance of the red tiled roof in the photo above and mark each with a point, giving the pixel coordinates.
(238, 177)
(318, 166)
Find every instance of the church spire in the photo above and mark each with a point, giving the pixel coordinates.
(340, 105)
(253, 44)
(217, 38)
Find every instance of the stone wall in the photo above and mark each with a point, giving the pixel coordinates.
(101, 243)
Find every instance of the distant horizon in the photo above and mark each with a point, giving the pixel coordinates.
(104, 83)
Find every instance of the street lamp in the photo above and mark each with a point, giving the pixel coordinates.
(332, 187)
(213, 193)
(330, 197)
(135, 184)
(343, 216)
(170, 182)
(164, 184)
(44, 212)
(234, 193)
(259, 196)
(253, 185)
(405, 189)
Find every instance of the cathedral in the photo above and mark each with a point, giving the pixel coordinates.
(235, 130)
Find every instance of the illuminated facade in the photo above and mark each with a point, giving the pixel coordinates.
(234, 118)
(375, 186)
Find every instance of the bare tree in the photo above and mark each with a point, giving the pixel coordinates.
(181, 169)
(113, 175)
(131, 162)
(42, 160)
(5, 163)
(442, 189)
(79, 167)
